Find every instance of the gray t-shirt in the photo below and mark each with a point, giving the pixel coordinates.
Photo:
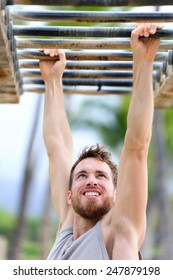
(89, 246)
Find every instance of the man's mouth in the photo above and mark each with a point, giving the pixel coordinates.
(91, 194)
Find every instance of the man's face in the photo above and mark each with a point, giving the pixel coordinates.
(92, 194)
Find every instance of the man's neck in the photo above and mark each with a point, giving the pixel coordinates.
(81, 225)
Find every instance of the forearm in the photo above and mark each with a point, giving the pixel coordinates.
(140, 115)
(57, 134)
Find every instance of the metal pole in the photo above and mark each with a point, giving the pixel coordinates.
(82, 44)
(86, 65)
(101, 32)
(79, 90)
(92, 2)
(88, 16)
(94, 74)
(84, 82)
(84, 55)
(99, 65)
(92, 55)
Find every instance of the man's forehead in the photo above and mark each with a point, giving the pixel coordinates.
(92, 164)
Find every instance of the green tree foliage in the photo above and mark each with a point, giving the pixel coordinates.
(7, 223)
(168, 131)
(30, 244)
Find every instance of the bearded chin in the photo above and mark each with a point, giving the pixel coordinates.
(92, 211)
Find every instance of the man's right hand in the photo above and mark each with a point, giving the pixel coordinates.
(145, 48)
(53, 69)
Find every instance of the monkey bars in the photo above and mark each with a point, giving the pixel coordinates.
(96, 43)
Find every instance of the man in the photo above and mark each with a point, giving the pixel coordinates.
(98, 221)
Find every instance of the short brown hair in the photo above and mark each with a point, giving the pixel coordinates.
(98, 152)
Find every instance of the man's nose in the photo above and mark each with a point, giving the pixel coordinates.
(91, 181)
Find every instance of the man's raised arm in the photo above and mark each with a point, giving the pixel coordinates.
(57, 134)
(129, 213)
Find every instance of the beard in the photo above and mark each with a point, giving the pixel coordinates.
(92, 210)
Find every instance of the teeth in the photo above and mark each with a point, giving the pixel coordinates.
(92, 194)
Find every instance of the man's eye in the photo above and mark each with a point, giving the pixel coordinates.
(82, 176)
(102, 175)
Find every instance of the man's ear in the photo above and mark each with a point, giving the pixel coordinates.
(69, 197)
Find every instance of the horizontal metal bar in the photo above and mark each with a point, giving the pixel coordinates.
(108, 32)
(83, 55)
(28, 63)
(35, 73)
(103, 90)
(72, 44)
(88, 64)
(94, 74)
(84, 82)
(92, 2)
(82, 44)
(88, 16)
(81, 90)
(91, 55)
(100, 65)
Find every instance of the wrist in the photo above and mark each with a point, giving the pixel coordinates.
(145, 62)
(53, 85)
(53, 81)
